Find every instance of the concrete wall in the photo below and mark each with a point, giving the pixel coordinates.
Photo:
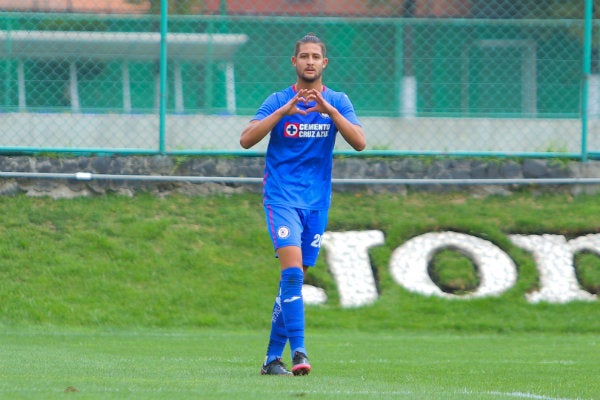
(221, 132)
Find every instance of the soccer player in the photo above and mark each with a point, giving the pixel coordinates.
(303, 121)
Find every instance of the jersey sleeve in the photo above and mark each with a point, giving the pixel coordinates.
(268, 107)
(345, 107)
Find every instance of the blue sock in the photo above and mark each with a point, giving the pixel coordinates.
(278, 337)
(292, 307)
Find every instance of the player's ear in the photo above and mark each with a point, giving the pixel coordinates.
(325, 62)
(294, 61)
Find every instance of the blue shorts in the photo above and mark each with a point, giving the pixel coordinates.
(290, 226)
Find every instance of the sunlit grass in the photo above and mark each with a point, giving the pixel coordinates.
(207, 261)
(57, 363)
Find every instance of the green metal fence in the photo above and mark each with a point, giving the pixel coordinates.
(426, 77)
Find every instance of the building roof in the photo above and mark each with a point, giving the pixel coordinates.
(422, 8)
(118, 45)
(82, 6)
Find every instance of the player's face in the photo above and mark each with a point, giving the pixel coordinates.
(309, 62)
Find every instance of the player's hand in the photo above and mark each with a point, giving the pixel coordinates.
(302, 96)
(321, 105)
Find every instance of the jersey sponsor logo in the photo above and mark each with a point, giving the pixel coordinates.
(295, 130)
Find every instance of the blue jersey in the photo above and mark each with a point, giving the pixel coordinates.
(300, 151)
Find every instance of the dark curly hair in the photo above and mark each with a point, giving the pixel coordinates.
(310, 38)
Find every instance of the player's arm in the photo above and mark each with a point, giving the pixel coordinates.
(256, 130)
(353, 134)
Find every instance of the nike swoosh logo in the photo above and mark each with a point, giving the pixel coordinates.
(291, 299)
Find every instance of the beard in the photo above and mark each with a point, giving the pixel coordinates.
(311, 78)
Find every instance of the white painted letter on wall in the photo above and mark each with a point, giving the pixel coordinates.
(553, 256)
(348, 259)
(409, 262)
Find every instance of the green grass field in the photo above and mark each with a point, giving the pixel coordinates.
(170, 298)
(147, 363)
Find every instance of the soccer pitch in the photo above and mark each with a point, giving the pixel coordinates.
(60, 363)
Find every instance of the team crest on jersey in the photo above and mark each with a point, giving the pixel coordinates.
(292, 130)
(283, 232)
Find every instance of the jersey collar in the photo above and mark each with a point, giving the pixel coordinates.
(295, 90)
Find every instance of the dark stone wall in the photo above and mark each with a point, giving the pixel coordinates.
(350, 167)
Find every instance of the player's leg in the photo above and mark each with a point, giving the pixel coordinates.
(292, 302)
(277, 341)
(314, 224)
(292, 306)
(287, 229)
(284, 228)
